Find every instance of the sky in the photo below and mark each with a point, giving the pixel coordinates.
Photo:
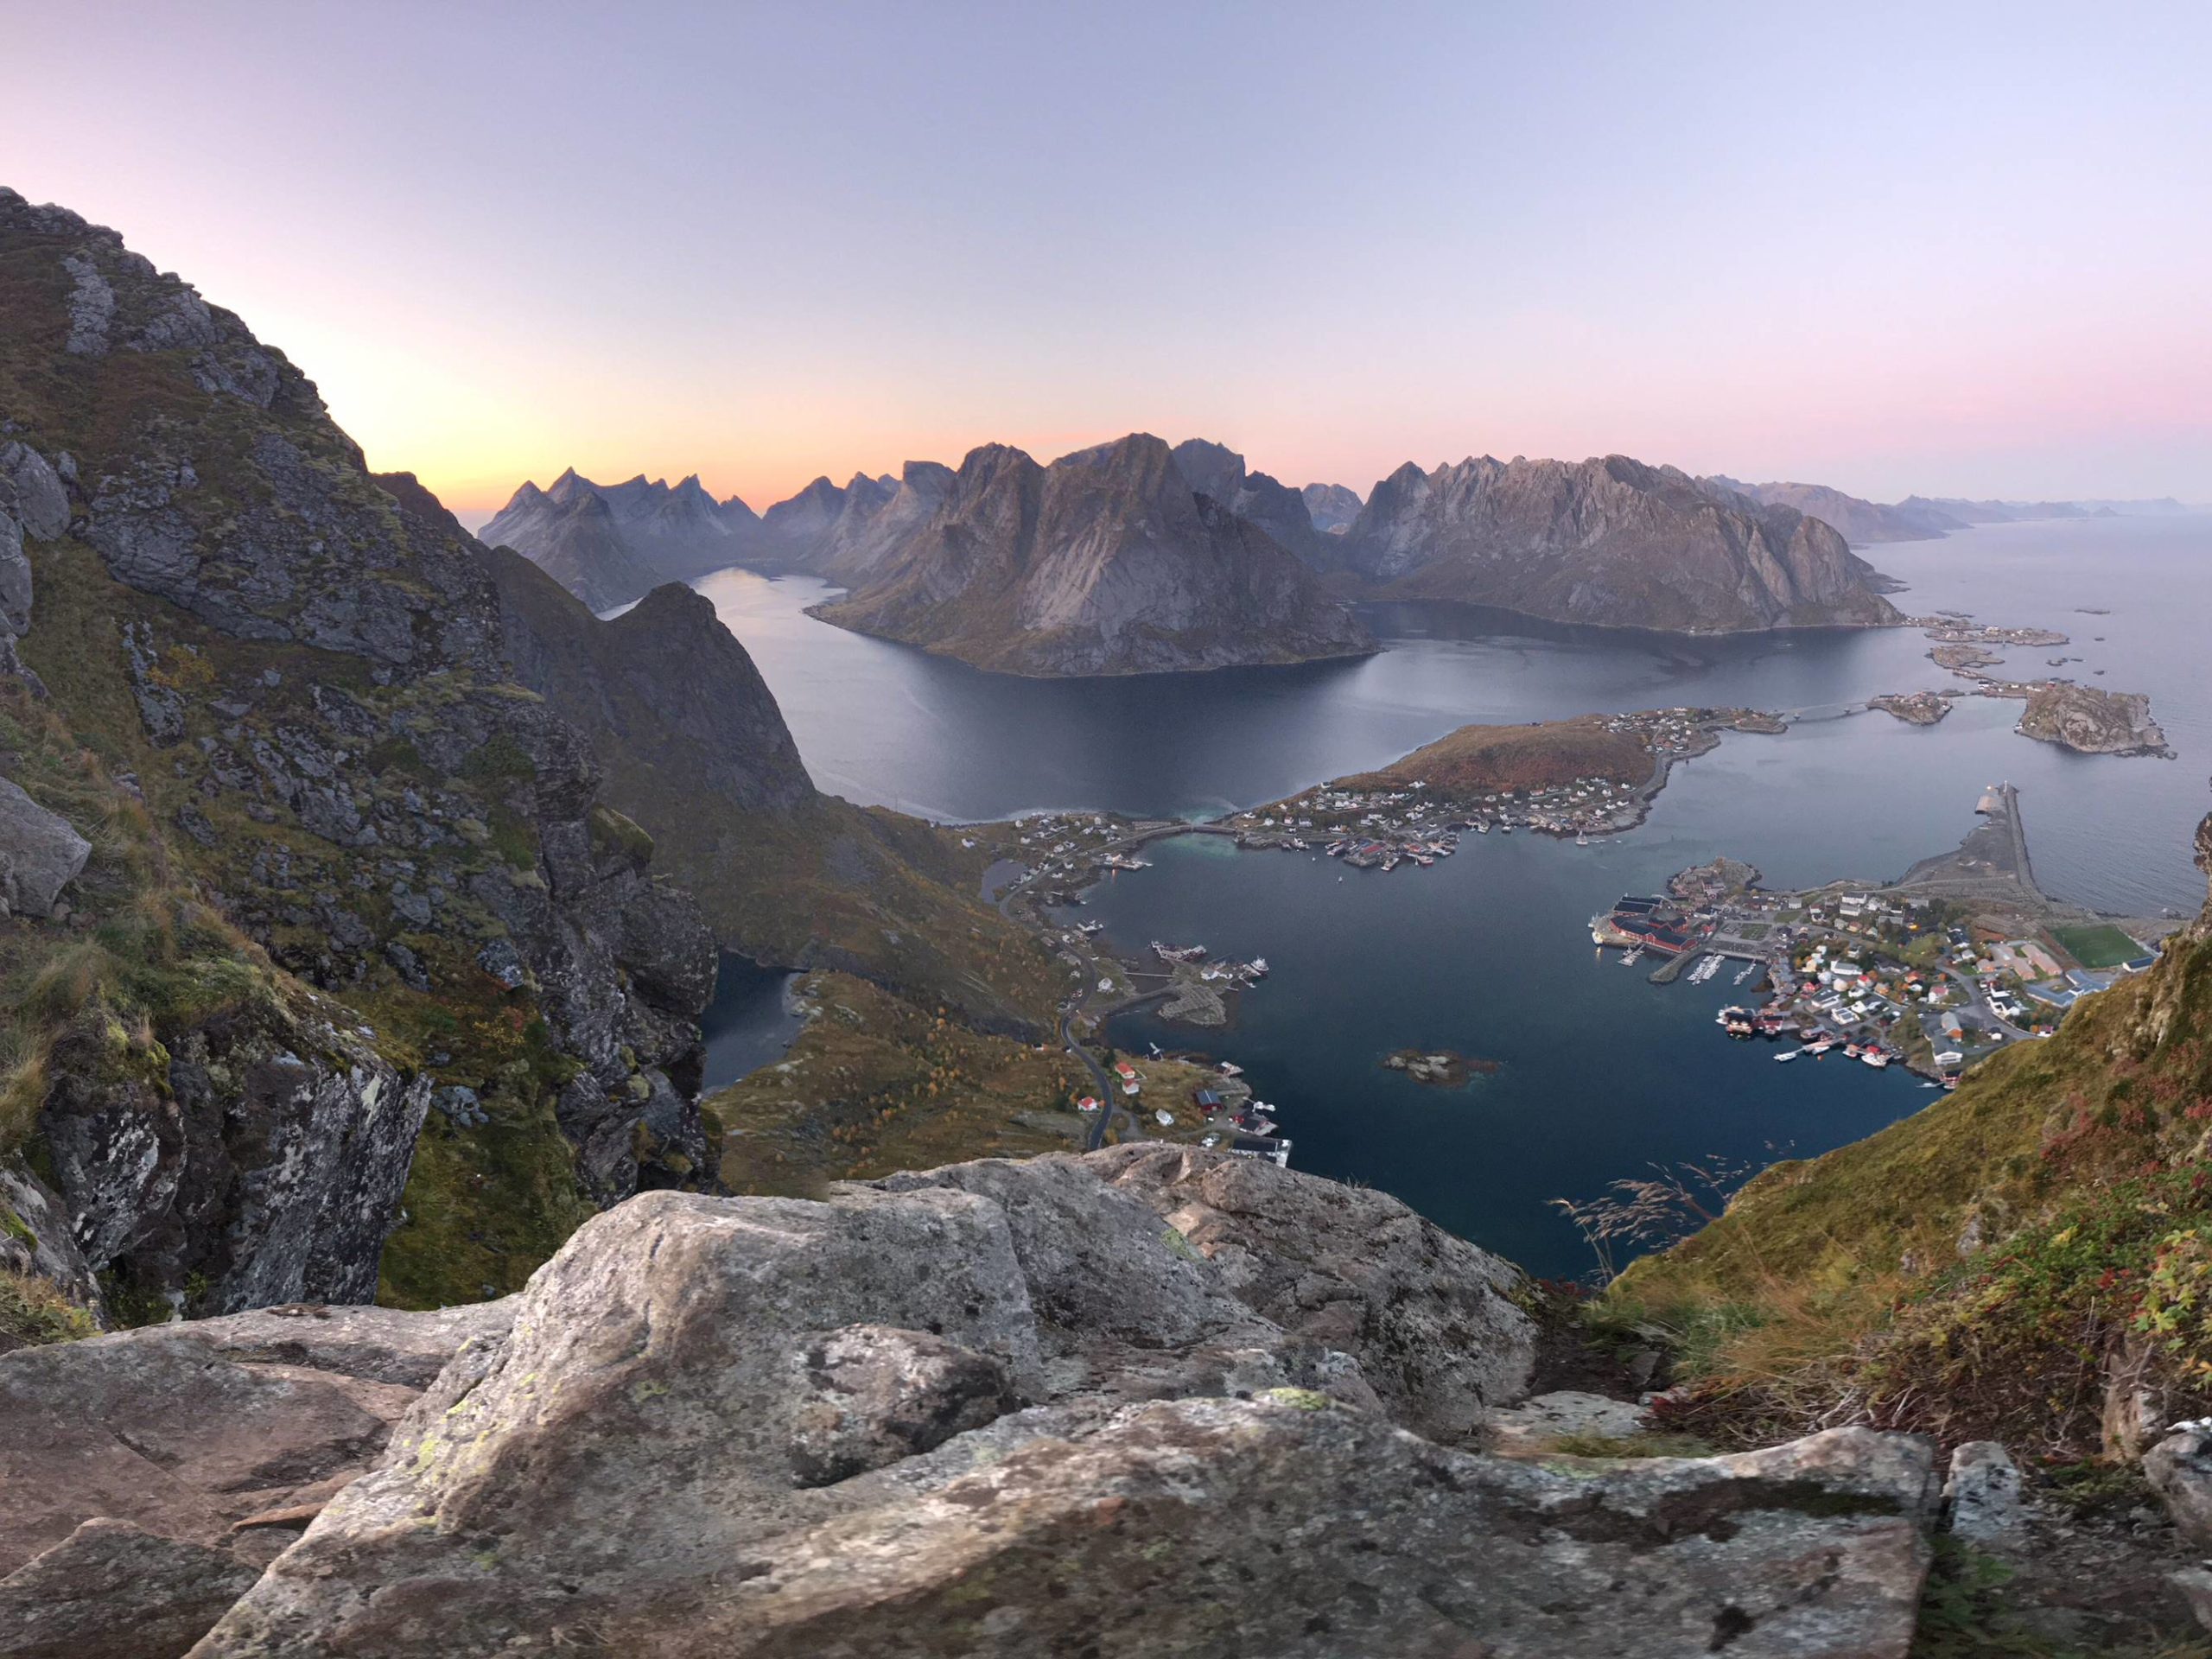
(1951, 249)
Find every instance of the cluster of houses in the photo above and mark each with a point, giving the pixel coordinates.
(1229, 1115)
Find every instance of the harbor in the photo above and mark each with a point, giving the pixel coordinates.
(1961, 956)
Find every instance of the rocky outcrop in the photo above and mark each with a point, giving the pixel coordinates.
(1609, 541)
(1861, 522)
(2179, 1469)
(40, 854)
(1107, 562)
(304, 671)
(1009, 1408)
(610, 544)
(262, 1163)
(2092, 722)
(34, 502)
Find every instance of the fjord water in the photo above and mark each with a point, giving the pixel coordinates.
(1489, 953)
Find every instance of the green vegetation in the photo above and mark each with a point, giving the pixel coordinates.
(876, 1084)
(1487, 758)
(32, 1312)
(2099, 946)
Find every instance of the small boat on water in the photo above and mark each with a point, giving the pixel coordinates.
(1874, 1057)
(1819, 1048)
(1787, 1054)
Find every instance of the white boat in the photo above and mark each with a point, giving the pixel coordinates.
(1787, 1054)
(1874, 1057)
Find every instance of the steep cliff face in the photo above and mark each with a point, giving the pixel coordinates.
(1106, 562)
(610, 544)
(1220, 474)
(347, 882)
(1861, 522)
(1608, 541)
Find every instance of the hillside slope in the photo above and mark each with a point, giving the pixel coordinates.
(694, 748)
(356, 951)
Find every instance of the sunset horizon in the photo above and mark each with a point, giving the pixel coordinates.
(768, 256)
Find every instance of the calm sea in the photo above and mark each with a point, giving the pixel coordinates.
(1488, 953)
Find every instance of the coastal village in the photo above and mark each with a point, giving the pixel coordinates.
(1415, 812)
(1961, 956)
(1958, 958)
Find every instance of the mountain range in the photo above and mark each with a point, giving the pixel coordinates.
(610, 543)
(1133, 557)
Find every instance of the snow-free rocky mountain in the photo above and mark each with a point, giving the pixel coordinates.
(1609, 541)
(1106, 562)
(1130, 557)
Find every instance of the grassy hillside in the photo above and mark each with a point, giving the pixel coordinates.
(1988, 1266)
(875, 1085)
(1484, 758)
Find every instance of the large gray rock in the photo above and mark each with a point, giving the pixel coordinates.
(40, 854)
(34, 1237)
(1982, 1497)
(2179, 1467)
(15, 581)
(31, 492)
(264, 1164)
(1534, 1425)
(996, 1410)
(1431, 1318)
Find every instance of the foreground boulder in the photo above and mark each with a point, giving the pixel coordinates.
(224, 1434)
(1018, 1408)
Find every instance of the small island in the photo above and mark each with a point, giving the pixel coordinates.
(1914, 708)
(2092, 722)
(1439, 1068)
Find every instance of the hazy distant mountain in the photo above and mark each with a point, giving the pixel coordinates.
(610, 543)
(1861, 522)
(801, 531)
(1219, 472)
(1331, 507)
(1609, 541)
(1107, 562)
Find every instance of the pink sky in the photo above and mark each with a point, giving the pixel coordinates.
(1954, 251)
